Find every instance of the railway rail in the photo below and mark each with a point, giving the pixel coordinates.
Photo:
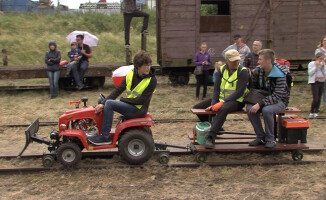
(28, 170)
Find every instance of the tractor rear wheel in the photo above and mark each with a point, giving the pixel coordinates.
(136, 146)
(69, 154)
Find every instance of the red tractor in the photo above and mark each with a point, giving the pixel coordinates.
(132, 137)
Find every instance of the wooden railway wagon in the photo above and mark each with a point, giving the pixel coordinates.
(292, 28)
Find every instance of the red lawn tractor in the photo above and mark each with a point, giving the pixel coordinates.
(132, 137)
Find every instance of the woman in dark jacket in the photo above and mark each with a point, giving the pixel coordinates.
(52, 60)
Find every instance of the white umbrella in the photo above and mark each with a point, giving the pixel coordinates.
(119, 74)
(89, 39)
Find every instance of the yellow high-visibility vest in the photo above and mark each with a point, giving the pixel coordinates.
(139, 89)
(229, 84)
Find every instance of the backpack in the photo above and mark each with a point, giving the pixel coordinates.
(289, 78)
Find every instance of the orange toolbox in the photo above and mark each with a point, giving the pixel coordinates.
(295, 130)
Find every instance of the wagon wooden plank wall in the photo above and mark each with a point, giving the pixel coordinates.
(291, 27)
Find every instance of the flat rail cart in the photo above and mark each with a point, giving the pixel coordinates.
(291, 138)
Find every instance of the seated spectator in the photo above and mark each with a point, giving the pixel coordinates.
(269, 76)
(79, 68)
(251, 60)
(241, 47)
(317, 72)
(74, 55)
(230, 88)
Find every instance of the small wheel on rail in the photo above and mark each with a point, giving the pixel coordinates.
(297, 155)
(48, 161)
(163, 158)
(69, 154)
(201, 157)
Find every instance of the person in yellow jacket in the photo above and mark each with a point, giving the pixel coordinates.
(140, 85)
(230, 88)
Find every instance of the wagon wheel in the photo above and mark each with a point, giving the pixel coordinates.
(201, 157)
(69, 154)
(136, 146)
(297, 155)
(48, 161)
(163, 158)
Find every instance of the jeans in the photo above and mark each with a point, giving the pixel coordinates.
(118, 106)
(78, 71)
(268, 115)
(127, 20)
(54, 82)
(202, 80)
(325, 92)
(317, 89)
(219, 119)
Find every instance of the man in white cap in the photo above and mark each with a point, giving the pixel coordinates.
(230, 88)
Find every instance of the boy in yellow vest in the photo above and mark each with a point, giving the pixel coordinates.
(229, 89)
(139, 84)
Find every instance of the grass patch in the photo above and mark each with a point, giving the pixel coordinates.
(26, 35)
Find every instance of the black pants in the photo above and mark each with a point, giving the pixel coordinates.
(202, 105)
(202, 80)
(127, 20)
(317, 89)
(219, 119)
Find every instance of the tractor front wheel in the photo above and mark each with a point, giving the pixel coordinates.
(69, 154)
(136, 146)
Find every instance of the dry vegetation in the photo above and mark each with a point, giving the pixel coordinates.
(26, 35)
(256, 182)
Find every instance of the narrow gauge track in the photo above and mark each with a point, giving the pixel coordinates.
(159, 121)
(108, 154)
(28, 170)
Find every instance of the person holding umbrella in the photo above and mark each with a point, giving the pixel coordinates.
(84, 41)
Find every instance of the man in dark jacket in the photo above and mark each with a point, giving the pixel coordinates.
(269, 76)
(52, 60)
(129, 11)
(139, 84)
(79, 68)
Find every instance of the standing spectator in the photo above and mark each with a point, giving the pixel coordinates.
(271, 77)
(217, 66)
(129, 11)
(229, 89)
(202, 58)
(251, 60)
(241, 47)
(78, 70)
(316, 71)
(322, 48)
(52, 60)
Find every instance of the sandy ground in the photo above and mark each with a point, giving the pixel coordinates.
(255, 182)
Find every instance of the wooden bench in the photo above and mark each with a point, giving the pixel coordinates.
(236, 135)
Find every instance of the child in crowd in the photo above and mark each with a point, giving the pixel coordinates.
(317, 72)
(217, 66)
(74, 54)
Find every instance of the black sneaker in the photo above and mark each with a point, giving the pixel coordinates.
(80, 87)
(270, 144)
(256, 142)
(100, 140)
(209, 144)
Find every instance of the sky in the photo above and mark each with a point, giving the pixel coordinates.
(74, 4)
